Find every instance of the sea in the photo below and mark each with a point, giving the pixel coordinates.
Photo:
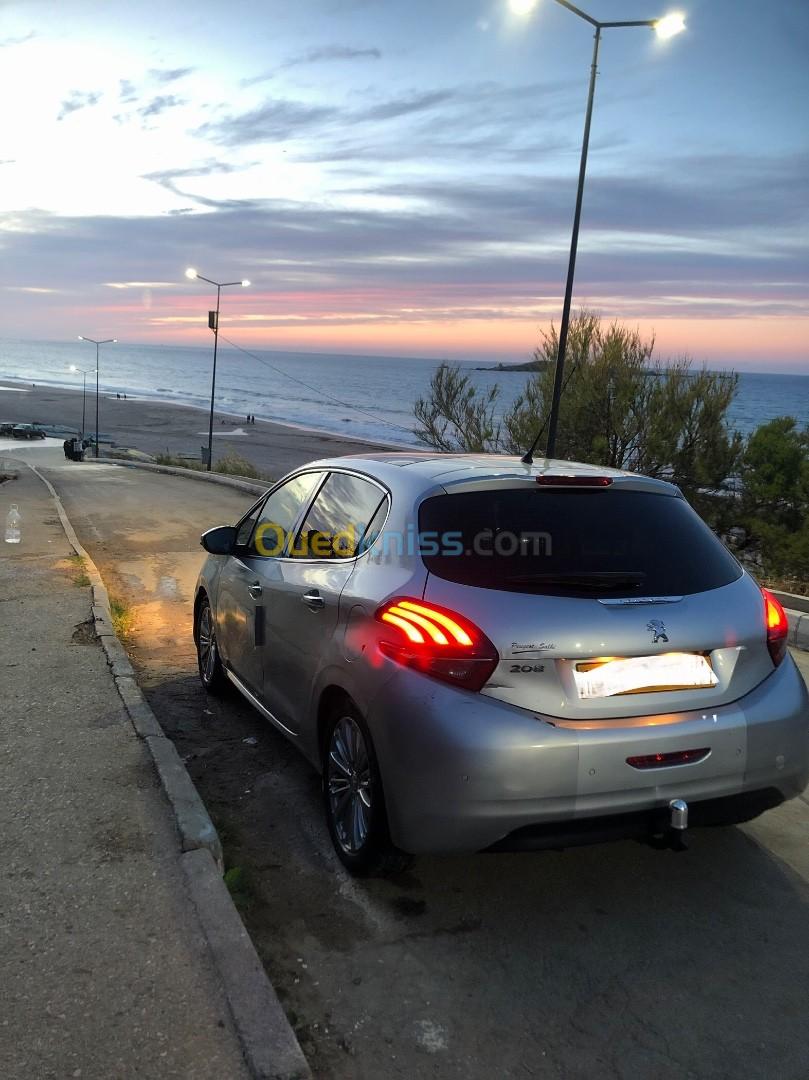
(362, 397)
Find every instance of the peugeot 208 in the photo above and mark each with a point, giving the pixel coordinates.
(480, 654)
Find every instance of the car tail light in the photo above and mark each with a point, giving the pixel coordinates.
(775, 619)
(574, 481)
(437, 642)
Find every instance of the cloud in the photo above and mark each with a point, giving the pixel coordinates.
(387, 110)
(126, 91)
(332, 52)
(20, 39)
(326, 54)
(79, 99)
(168, 75)
(167, 178)
(159, 105)
(275, 120)
(683, 244)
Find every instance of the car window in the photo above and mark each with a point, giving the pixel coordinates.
(374, 526)
(245, 530)
(573, 543)
(280, 513)
(338, 518)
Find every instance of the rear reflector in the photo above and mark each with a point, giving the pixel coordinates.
(574, 481)
(775, 619)
(663, 761)
(437, 642)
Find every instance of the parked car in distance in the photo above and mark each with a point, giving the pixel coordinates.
(27, 431)
(6, 428)
(479, 654)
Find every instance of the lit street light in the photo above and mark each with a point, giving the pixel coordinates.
(214, 325)
(84, 374)
(105, 341)
(665, 27)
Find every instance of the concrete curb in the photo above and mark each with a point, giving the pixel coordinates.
(251, 487)
(798, 629)
(270, 1046)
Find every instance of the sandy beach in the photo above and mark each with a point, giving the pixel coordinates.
(158, 427)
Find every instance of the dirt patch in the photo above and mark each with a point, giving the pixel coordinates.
(85, 633)
(115, 844)
(74, 567)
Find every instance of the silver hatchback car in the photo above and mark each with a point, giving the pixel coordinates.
(479, 654)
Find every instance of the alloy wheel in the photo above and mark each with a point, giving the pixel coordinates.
(349, 785)
(207, 644)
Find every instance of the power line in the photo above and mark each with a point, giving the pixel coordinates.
(314, 389)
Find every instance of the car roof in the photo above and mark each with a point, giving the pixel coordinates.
(435, 469)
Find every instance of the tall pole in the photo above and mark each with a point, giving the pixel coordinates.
(219, 285)
(96, 446)
(98, 344)
(665, 27)
(558, 381)
(83, 401)
(213, 378)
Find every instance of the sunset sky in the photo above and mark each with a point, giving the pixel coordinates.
(398, 176)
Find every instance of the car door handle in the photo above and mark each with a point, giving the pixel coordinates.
(313, 600)
(254, 590)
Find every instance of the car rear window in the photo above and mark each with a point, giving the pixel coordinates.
(601, 542)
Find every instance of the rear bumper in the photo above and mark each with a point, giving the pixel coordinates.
(463, 772)
(730, 810)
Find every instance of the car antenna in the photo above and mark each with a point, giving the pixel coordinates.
(528, 456)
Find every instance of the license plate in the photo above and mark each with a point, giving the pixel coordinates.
(644, 674)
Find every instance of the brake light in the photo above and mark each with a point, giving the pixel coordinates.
(437, 642)
(574, 481)
(775, 619)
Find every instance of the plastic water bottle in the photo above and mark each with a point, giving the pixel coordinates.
(13, 525)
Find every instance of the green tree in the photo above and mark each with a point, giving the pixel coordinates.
(455, 416)
(775, 473)
(620, 407)
(775, 499)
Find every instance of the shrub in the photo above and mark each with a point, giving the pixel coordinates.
(620, 407)
(775, 501)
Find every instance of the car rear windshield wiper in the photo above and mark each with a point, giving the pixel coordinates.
(594, 579)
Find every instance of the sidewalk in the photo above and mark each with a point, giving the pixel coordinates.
(104, 969)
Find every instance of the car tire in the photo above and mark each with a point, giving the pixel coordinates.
(353, 798)
(211, 673)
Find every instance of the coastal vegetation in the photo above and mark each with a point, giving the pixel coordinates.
(673, 426)
(230, 464)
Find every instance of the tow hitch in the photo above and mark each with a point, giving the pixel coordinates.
(671, 833)
(678, 825)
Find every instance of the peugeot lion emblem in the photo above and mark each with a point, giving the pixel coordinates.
(658, 629)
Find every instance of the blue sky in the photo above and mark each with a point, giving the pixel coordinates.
(399, 177)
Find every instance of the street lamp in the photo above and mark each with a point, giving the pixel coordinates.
(220, 285)
(104, 341)
(665, 27)
(84, 374)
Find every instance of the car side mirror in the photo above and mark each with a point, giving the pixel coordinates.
(219, 541)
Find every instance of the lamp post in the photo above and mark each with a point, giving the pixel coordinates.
(220, 285)
(104, 341)
(664, 27)
(84, 374)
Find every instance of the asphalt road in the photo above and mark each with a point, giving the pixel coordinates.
(613, 961)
